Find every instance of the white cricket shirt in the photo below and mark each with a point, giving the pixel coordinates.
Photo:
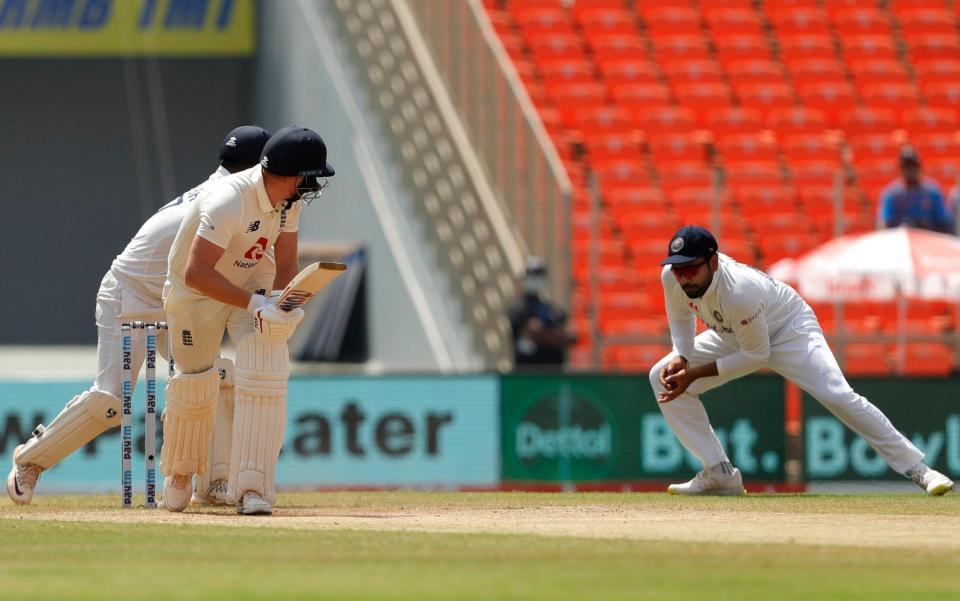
(235, 214)
(745, 306)
(142, 266)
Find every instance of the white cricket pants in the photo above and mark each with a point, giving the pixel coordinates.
(800, 354)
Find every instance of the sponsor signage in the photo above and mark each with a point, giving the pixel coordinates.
(925, 410)
(341, 431)
(609, 428)
(126, 27)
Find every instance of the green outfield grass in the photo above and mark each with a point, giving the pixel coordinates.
(46, 556)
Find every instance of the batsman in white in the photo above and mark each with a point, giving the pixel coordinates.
(225, 235)
(754, 322)
(130, 290)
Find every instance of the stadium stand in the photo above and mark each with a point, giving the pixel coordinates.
(788, 106)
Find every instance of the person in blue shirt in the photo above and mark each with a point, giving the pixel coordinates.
(913, 200)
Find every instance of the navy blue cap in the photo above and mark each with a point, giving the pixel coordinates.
(296, 151)
(689, 243)
(909, 156)
(243, 145)
(535, 266)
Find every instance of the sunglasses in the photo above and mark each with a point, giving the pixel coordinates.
(687, 270)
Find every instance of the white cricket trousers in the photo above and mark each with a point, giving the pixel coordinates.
(800, 354)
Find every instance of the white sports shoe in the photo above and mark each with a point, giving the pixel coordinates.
(215, 495)
(253, 504)
(932, 481)
(720, 479)
(22, 480)
(177, 491)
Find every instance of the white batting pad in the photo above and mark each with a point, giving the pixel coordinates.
(259, 418)
(219, 465)
(188, 422)
(84, 418)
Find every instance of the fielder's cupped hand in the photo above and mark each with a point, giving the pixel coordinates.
(675, 378)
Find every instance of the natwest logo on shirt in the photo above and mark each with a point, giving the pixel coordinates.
(256, 252)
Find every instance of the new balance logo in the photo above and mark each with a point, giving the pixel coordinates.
(232, 142)
(254, 226)
(186, 338)
(264, 162)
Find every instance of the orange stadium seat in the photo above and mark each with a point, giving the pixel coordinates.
(619, 71)
(820, 200)
(928, 359)
(785, 223)
(668, 148)
(607, 118)
(756, 173)
(609, 253)
(930, 120)
(539, 20)
(695, 200)
(754, 71)
(639, 325)
(933, 46)
(863, 47)
(636, 357)
(738, 249)
(623, 305)
(937, 146)
(800, 20)
(900, 6)
(612, 145)
(578, 93)
(702, 98)
(747, 147)
(599, 20)
(644, 253)
(657, 120)
(781, 246)
(609, 46)
(937, 70)
(671, 20)
(514, 45)
(733, 48)
(816, 172)
(943, 94)
(927, 21)
(624, 202)
(556, 45)
(731, 229)
(725, 21)
(680, 47)
(692, 174)
(834, 6)
(946, 171)
(817, 70)
(879, 71)
(809, 147)
(862, 20)
(619, 173)
(687, 72)
(650, 226)
(616, 279)
(796, 120)
(868, 120)
(850, 222)
(766, 97)
(757, 200)
(733, 120)
(565, 70)
(830, 98)
(896, 97)
(640, 95)
(801, 46)
(791, 4)
(867, 359)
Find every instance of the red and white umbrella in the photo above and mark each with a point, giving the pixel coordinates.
(881, 265)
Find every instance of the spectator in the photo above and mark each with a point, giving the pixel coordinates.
(913, 200)
(540, 331)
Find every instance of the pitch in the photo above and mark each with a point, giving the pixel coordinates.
(418, 545)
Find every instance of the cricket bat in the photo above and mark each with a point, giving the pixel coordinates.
(306, 284)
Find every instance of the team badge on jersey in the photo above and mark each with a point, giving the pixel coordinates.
(717, 315)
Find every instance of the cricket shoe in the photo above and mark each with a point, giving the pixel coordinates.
(22, 479)
(932, 481)
(721, 479)
(177, 491)
(253, 504)
(215, 495)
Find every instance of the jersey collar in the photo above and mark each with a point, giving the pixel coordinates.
(262, 199)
